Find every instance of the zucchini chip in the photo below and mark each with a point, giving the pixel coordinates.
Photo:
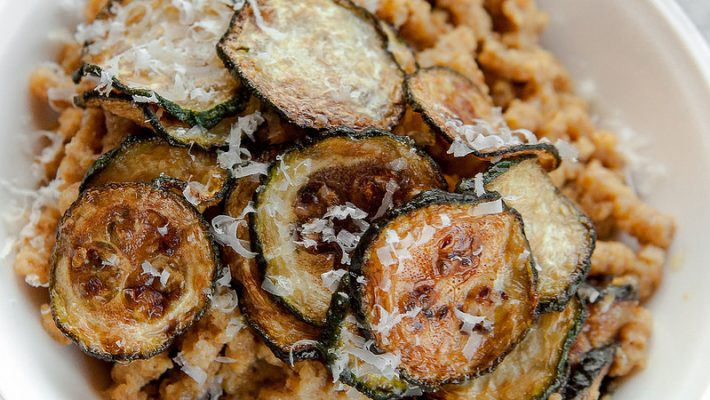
(193, 172)
(133, 268)
(165, 56)
(457, 109)
(316, 202)
(586, 377)
(402, 53)
(288, 337)
(353, 362)
(535, 369)
(446, 280)
(323, 64)
(562, 238)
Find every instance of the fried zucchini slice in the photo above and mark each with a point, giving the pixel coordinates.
(323, 64)
(133, 268)
(535, 369)
(455, 108)
(289, 338)
(318, 199)
(164, 56)
(586, 377)
(143, 159)
(152, 116)
(447, 280)
(561, 236)
(352, 361)
(402, 53)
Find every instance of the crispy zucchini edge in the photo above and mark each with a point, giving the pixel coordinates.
(105, 159)
(300, 146)
(253, 90)
(206, 119)
(509, 152)
(207, 297)
(579, 275)
(340, 306)
(424, 199)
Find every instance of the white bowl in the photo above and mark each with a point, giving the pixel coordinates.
(651, 70)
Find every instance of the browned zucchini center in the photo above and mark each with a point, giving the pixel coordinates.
(363, 185)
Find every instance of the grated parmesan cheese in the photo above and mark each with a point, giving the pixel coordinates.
(196, 373)
(151, 271)
(390, 189)
(194, 191)
(478, 187)
(470, 322)
(488, 208)
(236, 159)
(226, 301)
(389, 320)
(234, 325)
(277, 285)
(331, 279)
(165, 47)
(163, 230)
(225, 231)
(325, 227)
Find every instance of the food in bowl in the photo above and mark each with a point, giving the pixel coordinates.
(321, 199)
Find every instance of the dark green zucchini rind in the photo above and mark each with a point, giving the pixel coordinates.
(537, 367)
(289, 338)
(180, 133)
(347, 171)
(585, 379)
(342, 332)
(447, 99)
(125, 288)
(207, 118)
(563, 257)
(155, 160)
(400, 49)
(153, 117)
(452, 235)
(351, 81)
(202, 94)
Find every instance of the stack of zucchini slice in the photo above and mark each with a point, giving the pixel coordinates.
(348, 248)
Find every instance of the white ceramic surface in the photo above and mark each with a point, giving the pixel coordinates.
(649, 66)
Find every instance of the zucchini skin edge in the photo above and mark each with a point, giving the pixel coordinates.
(300, 146)
(237, 73)
(503, 153)
(207, 118)
(105, 159)
(578, 277)
(425, 199)
(217, 259)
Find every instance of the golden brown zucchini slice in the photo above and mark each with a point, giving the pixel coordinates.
(193, 172)
(316, 202)
(461, 113)
(323, 64)
(165, 56)
(133, 267)
(352, 360)
(535, 369)
(288, 337)
(399, 48)
(448, 281)
(562, 238)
